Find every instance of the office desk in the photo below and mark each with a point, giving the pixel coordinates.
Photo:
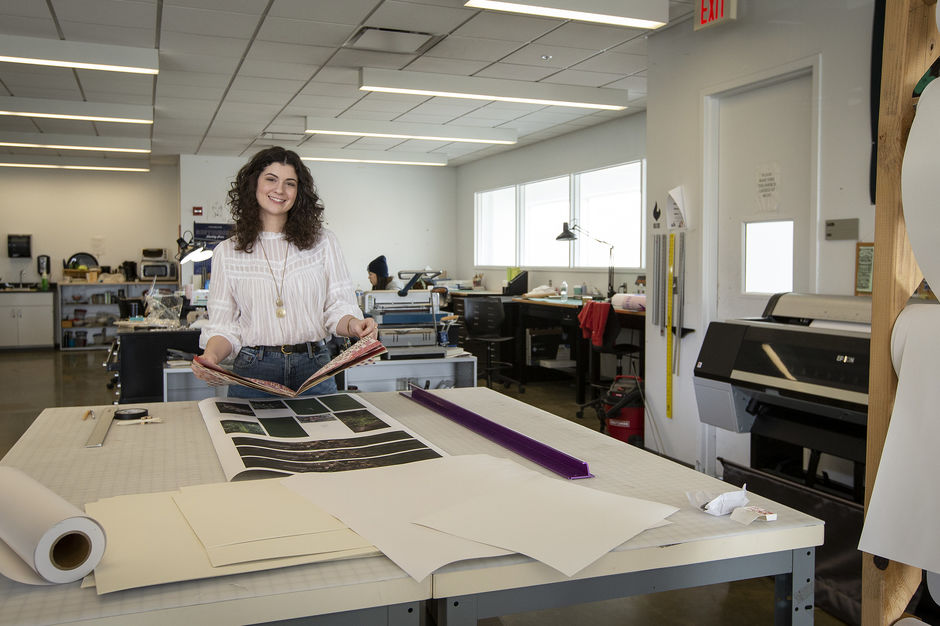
(694, 549)
(535, 312)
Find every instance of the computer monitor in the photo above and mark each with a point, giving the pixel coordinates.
(518, 285)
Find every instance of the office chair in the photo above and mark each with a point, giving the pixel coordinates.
(609, 345)
(483, 319)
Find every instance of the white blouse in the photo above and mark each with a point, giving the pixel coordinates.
(316, 292)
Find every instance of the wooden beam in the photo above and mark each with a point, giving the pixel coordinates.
(910, 41)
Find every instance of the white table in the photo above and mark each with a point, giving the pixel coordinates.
(696, 549)
(395, 374)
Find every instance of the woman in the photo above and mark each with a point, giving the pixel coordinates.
(378, 275)
(280, 289)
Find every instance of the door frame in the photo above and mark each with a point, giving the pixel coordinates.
(710, 99)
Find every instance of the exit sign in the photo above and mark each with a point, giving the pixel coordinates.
(712, 12)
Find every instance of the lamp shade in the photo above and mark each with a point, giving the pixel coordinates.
(566, 234)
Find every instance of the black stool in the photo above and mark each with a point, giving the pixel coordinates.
(609, 345)
(483, 318)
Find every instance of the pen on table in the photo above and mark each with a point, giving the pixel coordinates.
(88, 413)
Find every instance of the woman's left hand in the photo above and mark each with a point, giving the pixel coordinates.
(365, 328)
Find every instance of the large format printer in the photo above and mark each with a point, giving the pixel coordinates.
(796, 379)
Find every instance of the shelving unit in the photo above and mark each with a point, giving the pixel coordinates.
(100, 303)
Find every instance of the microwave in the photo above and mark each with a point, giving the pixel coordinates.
(161, 270)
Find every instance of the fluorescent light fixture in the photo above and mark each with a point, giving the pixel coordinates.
(474, 88)
(401, 130)
(75, 142)
(631, 13)
(74, 163)
(76, 110)
(373, 156)
(77, 54)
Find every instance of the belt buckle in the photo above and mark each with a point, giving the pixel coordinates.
(286, 349)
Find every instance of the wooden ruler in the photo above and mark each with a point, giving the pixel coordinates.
(669, 311)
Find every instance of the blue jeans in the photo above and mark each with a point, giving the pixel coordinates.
(291, 370)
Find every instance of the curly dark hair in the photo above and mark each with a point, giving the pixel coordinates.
(305, 218)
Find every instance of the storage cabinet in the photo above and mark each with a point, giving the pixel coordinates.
(87, 311)
(26, 319)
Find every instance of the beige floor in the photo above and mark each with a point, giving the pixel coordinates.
(35, 379)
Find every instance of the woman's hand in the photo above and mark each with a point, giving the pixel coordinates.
(217, 349)
(365, 328)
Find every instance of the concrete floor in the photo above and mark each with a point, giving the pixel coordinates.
(36, 379)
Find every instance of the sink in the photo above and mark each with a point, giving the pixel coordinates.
(13, 287)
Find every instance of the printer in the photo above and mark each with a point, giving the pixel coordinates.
(796, 379)
(407, 324)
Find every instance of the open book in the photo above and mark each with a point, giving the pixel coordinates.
(359, 352)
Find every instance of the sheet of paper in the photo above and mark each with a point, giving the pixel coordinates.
(387, 499)
(260, 519)
(565, 525)
(903, 512)
(228, 513)
(150, 543)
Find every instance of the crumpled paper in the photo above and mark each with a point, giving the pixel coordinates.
(720, 504)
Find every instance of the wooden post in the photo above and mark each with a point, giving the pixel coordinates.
(910, 40)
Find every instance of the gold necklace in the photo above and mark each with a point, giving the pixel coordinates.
(280, 311)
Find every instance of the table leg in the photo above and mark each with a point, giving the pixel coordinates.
(793, 593)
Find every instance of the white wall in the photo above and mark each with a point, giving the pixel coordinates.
(111, 215)
(405, 212)
(684, 65)
(610, 143)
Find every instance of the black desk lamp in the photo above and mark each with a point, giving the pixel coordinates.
(190, 251)
(567, 234)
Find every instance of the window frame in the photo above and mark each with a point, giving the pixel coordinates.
(574, 210)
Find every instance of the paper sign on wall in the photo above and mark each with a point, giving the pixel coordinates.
(767, 179)
(676, 215)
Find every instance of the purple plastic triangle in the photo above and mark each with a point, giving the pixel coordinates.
(536, 451)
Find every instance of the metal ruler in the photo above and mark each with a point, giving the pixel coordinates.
(669, 310)
(100, 431)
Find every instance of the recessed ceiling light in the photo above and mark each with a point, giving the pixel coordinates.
(78, 55)
(631, 13)
(372, 156)
(401, 130)
(475, 88)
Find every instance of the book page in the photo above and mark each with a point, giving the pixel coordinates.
(363, 351)
(266, 437)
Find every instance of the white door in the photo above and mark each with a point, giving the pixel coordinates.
(765, 154)
(36, 327)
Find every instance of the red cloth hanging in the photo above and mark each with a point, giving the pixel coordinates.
(593, 320)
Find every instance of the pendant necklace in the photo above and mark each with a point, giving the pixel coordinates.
(280, 311)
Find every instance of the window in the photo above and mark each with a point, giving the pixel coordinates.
(768, 257)
(605, 209)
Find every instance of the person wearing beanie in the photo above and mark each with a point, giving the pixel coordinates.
(378, 275)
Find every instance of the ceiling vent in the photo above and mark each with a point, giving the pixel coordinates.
(391, 40)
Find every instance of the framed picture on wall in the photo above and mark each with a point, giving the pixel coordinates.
(864, 263)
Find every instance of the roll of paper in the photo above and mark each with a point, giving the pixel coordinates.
(629, 301)
(43, 538)
(901, 518)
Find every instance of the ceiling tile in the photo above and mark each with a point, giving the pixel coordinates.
(376, 109)
(304, 32)
(446, 66)
(583, 79)
(208, 22)
(516, 72)
(637, 45)
(115, 35)
(321, 101)
(427, 18)
(189, 126)
(172, 143)
(339, 76)
(328, 141)
(557, 56)
(168, 78)
(419, 118)
(332, 89)
(492, 25)
(107, 13)
(189, 43)
(633, 84)
(348, 12)
(116, 82)
(200, 63)
(283, 71)
(278, 52)
(28, 26)
(365, 58)
(252, 7)
(287, 124)
(255, 96)
(472, 48)
(357, 113)
(170, 93)
(614, 63)
(597, 36)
